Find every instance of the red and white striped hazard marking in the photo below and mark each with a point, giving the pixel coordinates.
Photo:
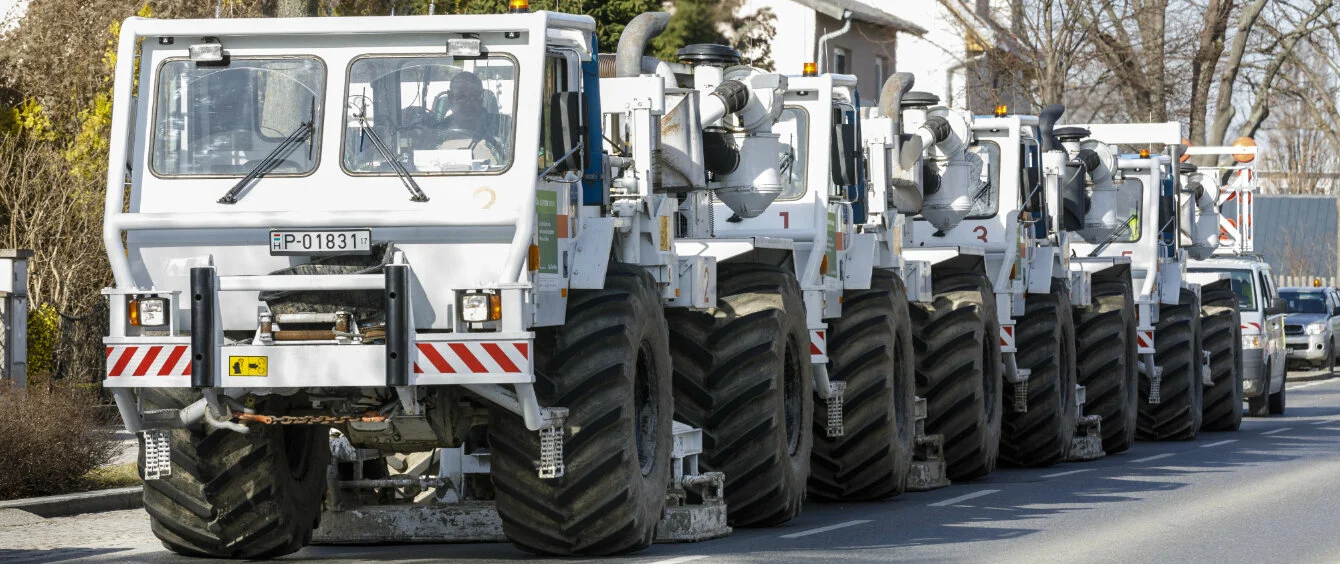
(1251, 325)
(1006, 336)
(1145, 339)
(149, 360)
(818, 344)
(511, 357)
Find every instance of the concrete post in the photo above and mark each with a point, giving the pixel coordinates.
(14, 317)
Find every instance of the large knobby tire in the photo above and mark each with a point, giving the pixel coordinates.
(232, 495)
(743, 376)
(1045, 337)
(957, 343)
(609, 365)
(1107, 354)
(1177, 349)
(869, 348)
(1222, 335)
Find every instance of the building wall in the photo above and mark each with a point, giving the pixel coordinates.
(795, 41)
(1298, 234)
(798, 32)
(868, 46)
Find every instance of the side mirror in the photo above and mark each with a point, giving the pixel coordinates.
(567, 124)
(1277, 306)
(845, 154)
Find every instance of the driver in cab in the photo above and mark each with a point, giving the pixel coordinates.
(470, 121)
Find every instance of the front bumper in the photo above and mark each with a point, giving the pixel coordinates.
(1310, 348)
(436, 359)
(1253, 372)
(404, 357)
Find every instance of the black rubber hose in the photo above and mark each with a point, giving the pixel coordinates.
(734, 94)
(633, 41)
(1089, 159)
(939, 127)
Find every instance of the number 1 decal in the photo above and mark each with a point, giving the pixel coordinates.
(786, 219)
(981, 233)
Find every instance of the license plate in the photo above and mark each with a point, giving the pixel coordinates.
(330, 242)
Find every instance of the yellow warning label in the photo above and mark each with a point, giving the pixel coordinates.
(665, 233)
(247, 366)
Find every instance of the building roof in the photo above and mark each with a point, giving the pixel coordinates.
(862, 12)
(1297, 234)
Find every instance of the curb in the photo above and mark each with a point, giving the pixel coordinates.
(83, 502)
(1312, 376)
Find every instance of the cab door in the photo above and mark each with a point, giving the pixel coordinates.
(1272, 330)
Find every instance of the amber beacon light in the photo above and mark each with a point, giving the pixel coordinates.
(518, 6)
(810, 69)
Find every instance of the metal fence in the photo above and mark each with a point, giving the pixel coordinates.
(66, 347)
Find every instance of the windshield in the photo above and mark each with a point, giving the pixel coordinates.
(1242, 286)
(1304, 302)
(224, 120)
(438, 114)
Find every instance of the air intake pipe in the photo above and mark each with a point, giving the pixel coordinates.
(1046, 124)
(905, 191)
(633, 41)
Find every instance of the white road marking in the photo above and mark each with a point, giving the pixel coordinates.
(1323, 422)
(825, 529)
(1059, 474)
(1155, 457)
(1220, 443)
(964, 497)
(1279, 430)
(1308, 385)
(679, 560)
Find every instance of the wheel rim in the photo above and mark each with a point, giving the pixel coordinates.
(791, 399)
(645, 408)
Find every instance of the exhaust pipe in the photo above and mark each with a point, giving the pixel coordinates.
(1046, 123)
(636, 35)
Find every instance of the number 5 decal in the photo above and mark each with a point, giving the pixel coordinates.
(980, 230)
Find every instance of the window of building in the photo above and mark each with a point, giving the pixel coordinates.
(841, 61)
(881, 64)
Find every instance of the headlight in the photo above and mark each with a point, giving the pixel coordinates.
(148, 312)
(1315, 328)
(1251, 341)
(478, 307)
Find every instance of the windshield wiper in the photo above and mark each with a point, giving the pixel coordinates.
(1116, 234)
(416, 193)
(271, 161)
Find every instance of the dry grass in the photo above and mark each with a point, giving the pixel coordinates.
(51, 440)
(109, 477)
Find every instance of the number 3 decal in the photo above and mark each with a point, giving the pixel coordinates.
(980, 230)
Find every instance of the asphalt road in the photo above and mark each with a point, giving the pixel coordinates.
(1268, 492)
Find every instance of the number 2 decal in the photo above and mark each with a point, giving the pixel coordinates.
(980, 230)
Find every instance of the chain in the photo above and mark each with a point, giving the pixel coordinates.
(369, 417)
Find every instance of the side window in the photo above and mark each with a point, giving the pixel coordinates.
(793, 128)
(984, 158)
(555, 81)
